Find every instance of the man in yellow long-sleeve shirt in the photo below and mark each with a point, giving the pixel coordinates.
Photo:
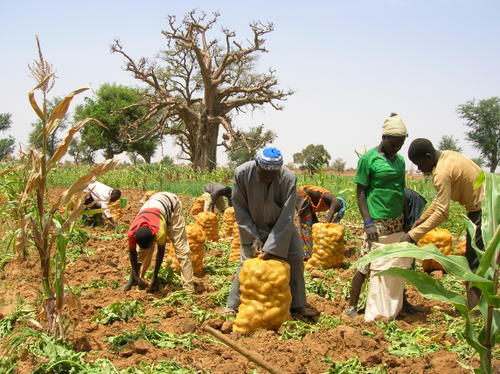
(453, 177)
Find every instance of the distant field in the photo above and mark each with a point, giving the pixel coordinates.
(185, 181)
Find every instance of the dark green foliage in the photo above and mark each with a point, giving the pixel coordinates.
(483, 119)
(312, 158)
(6, 144)
(108, 107)
(448, 142)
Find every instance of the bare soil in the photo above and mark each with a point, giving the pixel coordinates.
(20, 279)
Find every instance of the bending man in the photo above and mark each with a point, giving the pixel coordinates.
(159, 218)
(453, 177)
(214, 197)
(313, 199)
(98, 196)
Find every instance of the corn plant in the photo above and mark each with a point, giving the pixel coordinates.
(483, 336)
(48, 228)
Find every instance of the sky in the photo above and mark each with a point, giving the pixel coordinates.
(350, 63)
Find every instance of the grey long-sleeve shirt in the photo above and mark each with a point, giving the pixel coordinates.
(265, 211)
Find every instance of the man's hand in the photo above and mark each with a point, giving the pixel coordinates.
(371, 233)
(268, 256)
(138, 281)
(256, 247)
(407, 238)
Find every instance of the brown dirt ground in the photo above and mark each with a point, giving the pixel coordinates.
(110, 262)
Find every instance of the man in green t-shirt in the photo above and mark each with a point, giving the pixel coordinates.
(380, 180)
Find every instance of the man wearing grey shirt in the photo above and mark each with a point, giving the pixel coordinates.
(264, 199)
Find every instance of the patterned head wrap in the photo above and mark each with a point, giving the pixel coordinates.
(270, 159)
(394, 126)
(343, 207)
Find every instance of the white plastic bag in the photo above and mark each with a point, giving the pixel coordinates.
(385, 293)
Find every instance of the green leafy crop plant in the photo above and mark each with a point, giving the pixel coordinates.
(415, 343)
(176, 298)
(158, 338)
(119, 311)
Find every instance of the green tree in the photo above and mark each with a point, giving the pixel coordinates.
(199, 84)
(448, 142)
(312, 158)
(53, 139)
(483, 119)
(245, 147)
(6, 144)
(114, 105)
(338, 165)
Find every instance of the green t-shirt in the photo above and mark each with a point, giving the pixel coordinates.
(384, 181)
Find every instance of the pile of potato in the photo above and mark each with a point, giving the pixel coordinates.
(228, 220)
(208, 221)
(116, 210)
(265, 295)
(198, 206)
(234, 254)
(442, 239)
(196, 238)
(328, 246)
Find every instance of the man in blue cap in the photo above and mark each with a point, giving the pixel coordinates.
(264, 198)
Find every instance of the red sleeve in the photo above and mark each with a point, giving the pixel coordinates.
(131, 239)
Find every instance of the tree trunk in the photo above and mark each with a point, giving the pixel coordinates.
(493, 164)
(205, 151)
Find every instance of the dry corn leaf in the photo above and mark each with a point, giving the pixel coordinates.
(60, 111)
(32, 99)
(64, 145)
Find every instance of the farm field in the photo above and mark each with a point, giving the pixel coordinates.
(164, 332)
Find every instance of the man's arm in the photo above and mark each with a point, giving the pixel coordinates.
(369, 224)
(335, 206)
(159, 260)
(277, 242)
(240, 204)
(135, 267)
(439, 210)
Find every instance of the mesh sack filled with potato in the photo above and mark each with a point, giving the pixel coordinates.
(265, 295)
(328, 246)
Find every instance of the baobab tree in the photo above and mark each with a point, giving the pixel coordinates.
(198, 85)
